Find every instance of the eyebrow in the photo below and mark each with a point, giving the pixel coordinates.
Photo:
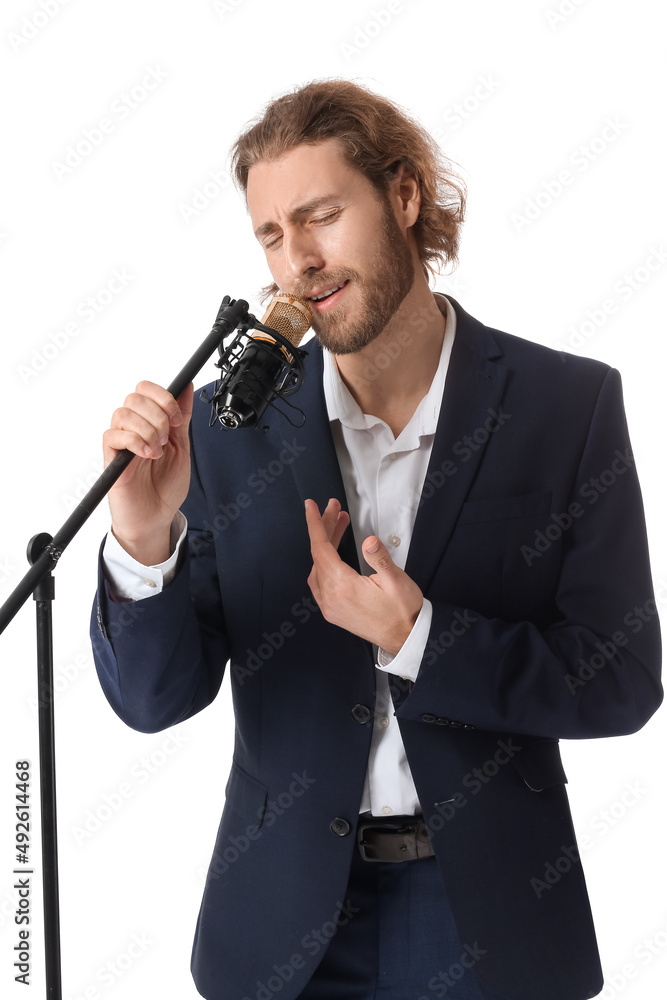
(310, 206)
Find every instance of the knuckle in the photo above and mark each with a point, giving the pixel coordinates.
(119, 415)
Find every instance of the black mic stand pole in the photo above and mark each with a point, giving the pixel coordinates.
(44, 551)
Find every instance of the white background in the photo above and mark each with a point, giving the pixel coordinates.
(536, 88)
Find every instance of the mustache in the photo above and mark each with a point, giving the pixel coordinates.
(304, 291)
(322, 280)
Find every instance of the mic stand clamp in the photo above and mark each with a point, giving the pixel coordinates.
(256, 371)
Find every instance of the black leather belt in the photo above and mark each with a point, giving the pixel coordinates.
(401, 838)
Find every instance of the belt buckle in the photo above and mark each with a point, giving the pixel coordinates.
(389, 827)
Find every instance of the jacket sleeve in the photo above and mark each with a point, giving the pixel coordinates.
(162, 659)
(594, 669)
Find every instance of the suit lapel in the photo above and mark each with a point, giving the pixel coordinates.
(317, 473)
(473, 392)
(471, 402)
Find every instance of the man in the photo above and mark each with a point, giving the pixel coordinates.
(395, 823)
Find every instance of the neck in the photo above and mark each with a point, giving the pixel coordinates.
(389, 377)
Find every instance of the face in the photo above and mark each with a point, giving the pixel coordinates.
(330, 237)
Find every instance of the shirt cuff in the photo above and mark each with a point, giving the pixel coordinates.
(408, 660)
(128, 579)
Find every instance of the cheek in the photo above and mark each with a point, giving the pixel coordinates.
(346, 249)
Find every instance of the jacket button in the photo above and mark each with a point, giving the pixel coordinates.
(442, 722)
(339, 826)
(361, 714)
(428, 718)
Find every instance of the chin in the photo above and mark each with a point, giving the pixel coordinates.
(353, 343)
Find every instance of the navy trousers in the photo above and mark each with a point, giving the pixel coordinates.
(398, 940)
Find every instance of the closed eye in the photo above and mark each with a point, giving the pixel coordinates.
(320, 221)
(325, 218)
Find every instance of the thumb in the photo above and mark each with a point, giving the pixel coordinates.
(377, 556)
(179, 432)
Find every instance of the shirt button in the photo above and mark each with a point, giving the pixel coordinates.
(393, 456)
(394, 540)
(150, 583)
(383, 721)
(387, 810)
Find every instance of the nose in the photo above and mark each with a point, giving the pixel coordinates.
(300, 253)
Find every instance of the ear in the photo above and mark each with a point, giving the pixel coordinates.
(405, 195)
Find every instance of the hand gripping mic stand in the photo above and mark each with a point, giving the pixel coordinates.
(44, 551)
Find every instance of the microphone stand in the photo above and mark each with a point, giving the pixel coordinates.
(44, 551)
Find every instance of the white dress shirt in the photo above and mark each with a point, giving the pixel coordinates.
(383, 478)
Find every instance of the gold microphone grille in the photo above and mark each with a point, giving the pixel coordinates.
(290, 316)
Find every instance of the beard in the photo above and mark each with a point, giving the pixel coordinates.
(389, 278)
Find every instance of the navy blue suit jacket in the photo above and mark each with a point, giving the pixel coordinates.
(530, 543)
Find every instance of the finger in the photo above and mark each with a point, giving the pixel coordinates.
(325, 558)
(330, 516)
(143, 432)
(181, 418)
(335, 521)
(151, 418)
(179, 422)
(147, 408)
(316, 527)
(164, 399)
(340, 528)
(377, 556)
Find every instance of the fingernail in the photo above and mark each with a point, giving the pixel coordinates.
(374, 546)
(176, 418)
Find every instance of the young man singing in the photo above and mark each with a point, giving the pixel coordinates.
(422, 589)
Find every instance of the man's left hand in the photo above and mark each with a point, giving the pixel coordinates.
(381, 608)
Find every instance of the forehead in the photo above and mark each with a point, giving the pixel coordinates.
(299, 178)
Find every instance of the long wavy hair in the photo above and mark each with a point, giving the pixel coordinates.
(376, 136)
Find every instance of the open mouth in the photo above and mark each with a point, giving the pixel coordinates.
(328, 298)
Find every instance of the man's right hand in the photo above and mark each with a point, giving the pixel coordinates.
(154, 426)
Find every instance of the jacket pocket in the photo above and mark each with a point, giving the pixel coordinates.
(539, 765)
(246, 796)
(505, 508)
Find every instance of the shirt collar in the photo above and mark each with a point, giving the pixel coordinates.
(342, 406)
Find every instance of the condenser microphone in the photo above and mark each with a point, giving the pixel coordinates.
(266, 366)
